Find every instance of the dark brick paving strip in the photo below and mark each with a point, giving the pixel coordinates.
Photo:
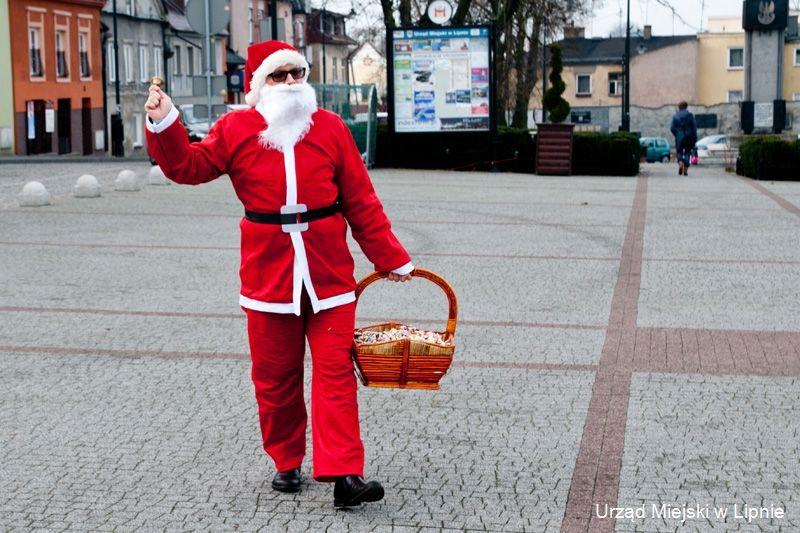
(595, 479)
(780, 200)
(629, 348)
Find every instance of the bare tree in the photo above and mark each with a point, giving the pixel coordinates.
(518, 27)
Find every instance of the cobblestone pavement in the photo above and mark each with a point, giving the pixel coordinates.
(627, 343)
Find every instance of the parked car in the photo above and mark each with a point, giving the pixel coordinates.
(712, 143)
(656, 149)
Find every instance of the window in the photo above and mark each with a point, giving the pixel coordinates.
(299, 36)
(138, 126)
(83, 53)
(111, 61)
(344, 71)
(583, 84)
(35, 47)
(797, 57)
(190, 60)
(130, 7)
(335, 69)
(127, 57)
(177, 67)
(796, 97)
(250, 25)
(143, 56)
(158, 62)
(614, 84)
(219, 58)
(62, 67)
(735, 58)
(735, 97)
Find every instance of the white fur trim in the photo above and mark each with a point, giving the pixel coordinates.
(405, 269)
(268, 66)
(288, 308)
(164, 123)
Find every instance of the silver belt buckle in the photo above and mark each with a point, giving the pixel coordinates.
(294, 209)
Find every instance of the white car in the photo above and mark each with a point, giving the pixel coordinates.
(713, 143)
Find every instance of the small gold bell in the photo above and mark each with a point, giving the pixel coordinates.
(157, 80)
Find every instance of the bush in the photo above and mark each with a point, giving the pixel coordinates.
(514, 150)
(769, 157)
(557, 108)
(605, 154)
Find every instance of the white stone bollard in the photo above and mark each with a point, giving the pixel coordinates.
(34, 194)
(86, 187)
(127, 181)
(156, 176)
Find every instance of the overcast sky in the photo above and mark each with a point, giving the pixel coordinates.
(607, 15)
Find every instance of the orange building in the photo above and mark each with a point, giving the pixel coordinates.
(58, 76)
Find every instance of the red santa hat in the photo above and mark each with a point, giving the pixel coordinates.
(262, 60)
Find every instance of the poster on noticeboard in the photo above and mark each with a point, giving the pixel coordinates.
(441, 79)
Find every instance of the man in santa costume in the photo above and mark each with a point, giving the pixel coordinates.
(301, 179)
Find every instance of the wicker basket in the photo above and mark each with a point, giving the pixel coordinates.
(406, 363)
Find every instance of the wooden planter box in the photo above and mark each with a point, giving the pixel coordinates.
(554, 149)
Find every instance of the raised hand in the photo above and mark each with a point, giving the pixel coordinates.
(158, 104)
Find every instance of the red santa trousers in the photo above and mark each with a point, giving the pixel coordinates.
(277, 348)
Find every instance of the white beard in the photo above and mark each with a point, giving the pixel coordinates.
(287, 109)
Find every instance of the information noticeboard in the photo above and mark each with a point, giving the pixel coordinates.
(441, 79)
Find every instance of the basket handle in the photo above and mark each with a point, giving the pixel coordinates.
(452, 301)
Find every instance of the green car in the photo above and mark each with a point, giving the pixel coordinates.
(655, 149)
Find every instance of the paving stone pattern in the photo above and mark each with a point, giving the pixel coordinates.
(622, 342)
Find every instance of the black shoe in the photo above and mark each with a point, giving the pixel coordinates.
(288, 481)
(352, 490)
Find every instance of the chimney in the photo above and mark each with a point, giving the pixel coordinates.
(648, 32)
(574, 32)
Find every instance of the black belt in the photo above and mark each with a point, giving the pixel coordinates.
(293, 218)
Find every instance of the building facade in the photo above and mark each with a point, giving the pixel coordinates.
(706, 70)
(328, 47)
(6, 86)
(250, 24)
(593, 74)
(57, 76)
(186, 65)
(138, 57)
(721, 56)
(368, 65)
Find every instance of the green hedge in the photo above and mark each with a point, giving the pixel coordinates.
(605, 154)
(769, 158)
(512, 150)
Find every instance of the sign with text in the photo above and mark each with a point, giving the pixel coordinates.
(441, 79)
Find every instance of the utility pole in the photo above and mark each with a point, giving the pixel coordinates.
(544, 67)
(324, 59)
(273, 18)
(117, 130)
(208, 60)
(626, 95)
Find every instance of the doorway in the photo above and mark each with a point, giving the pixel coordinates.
(86, 120)
(38, 140)
(64, 125)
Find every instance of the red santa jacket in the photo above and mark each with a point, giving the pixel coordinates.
(323, 166)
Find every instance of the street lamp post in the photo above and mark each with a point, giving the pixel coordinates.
(273, 18)
(626, 94)
(117, 130)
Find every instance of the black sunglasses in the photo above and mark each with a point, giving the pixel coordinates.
(280, 75)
